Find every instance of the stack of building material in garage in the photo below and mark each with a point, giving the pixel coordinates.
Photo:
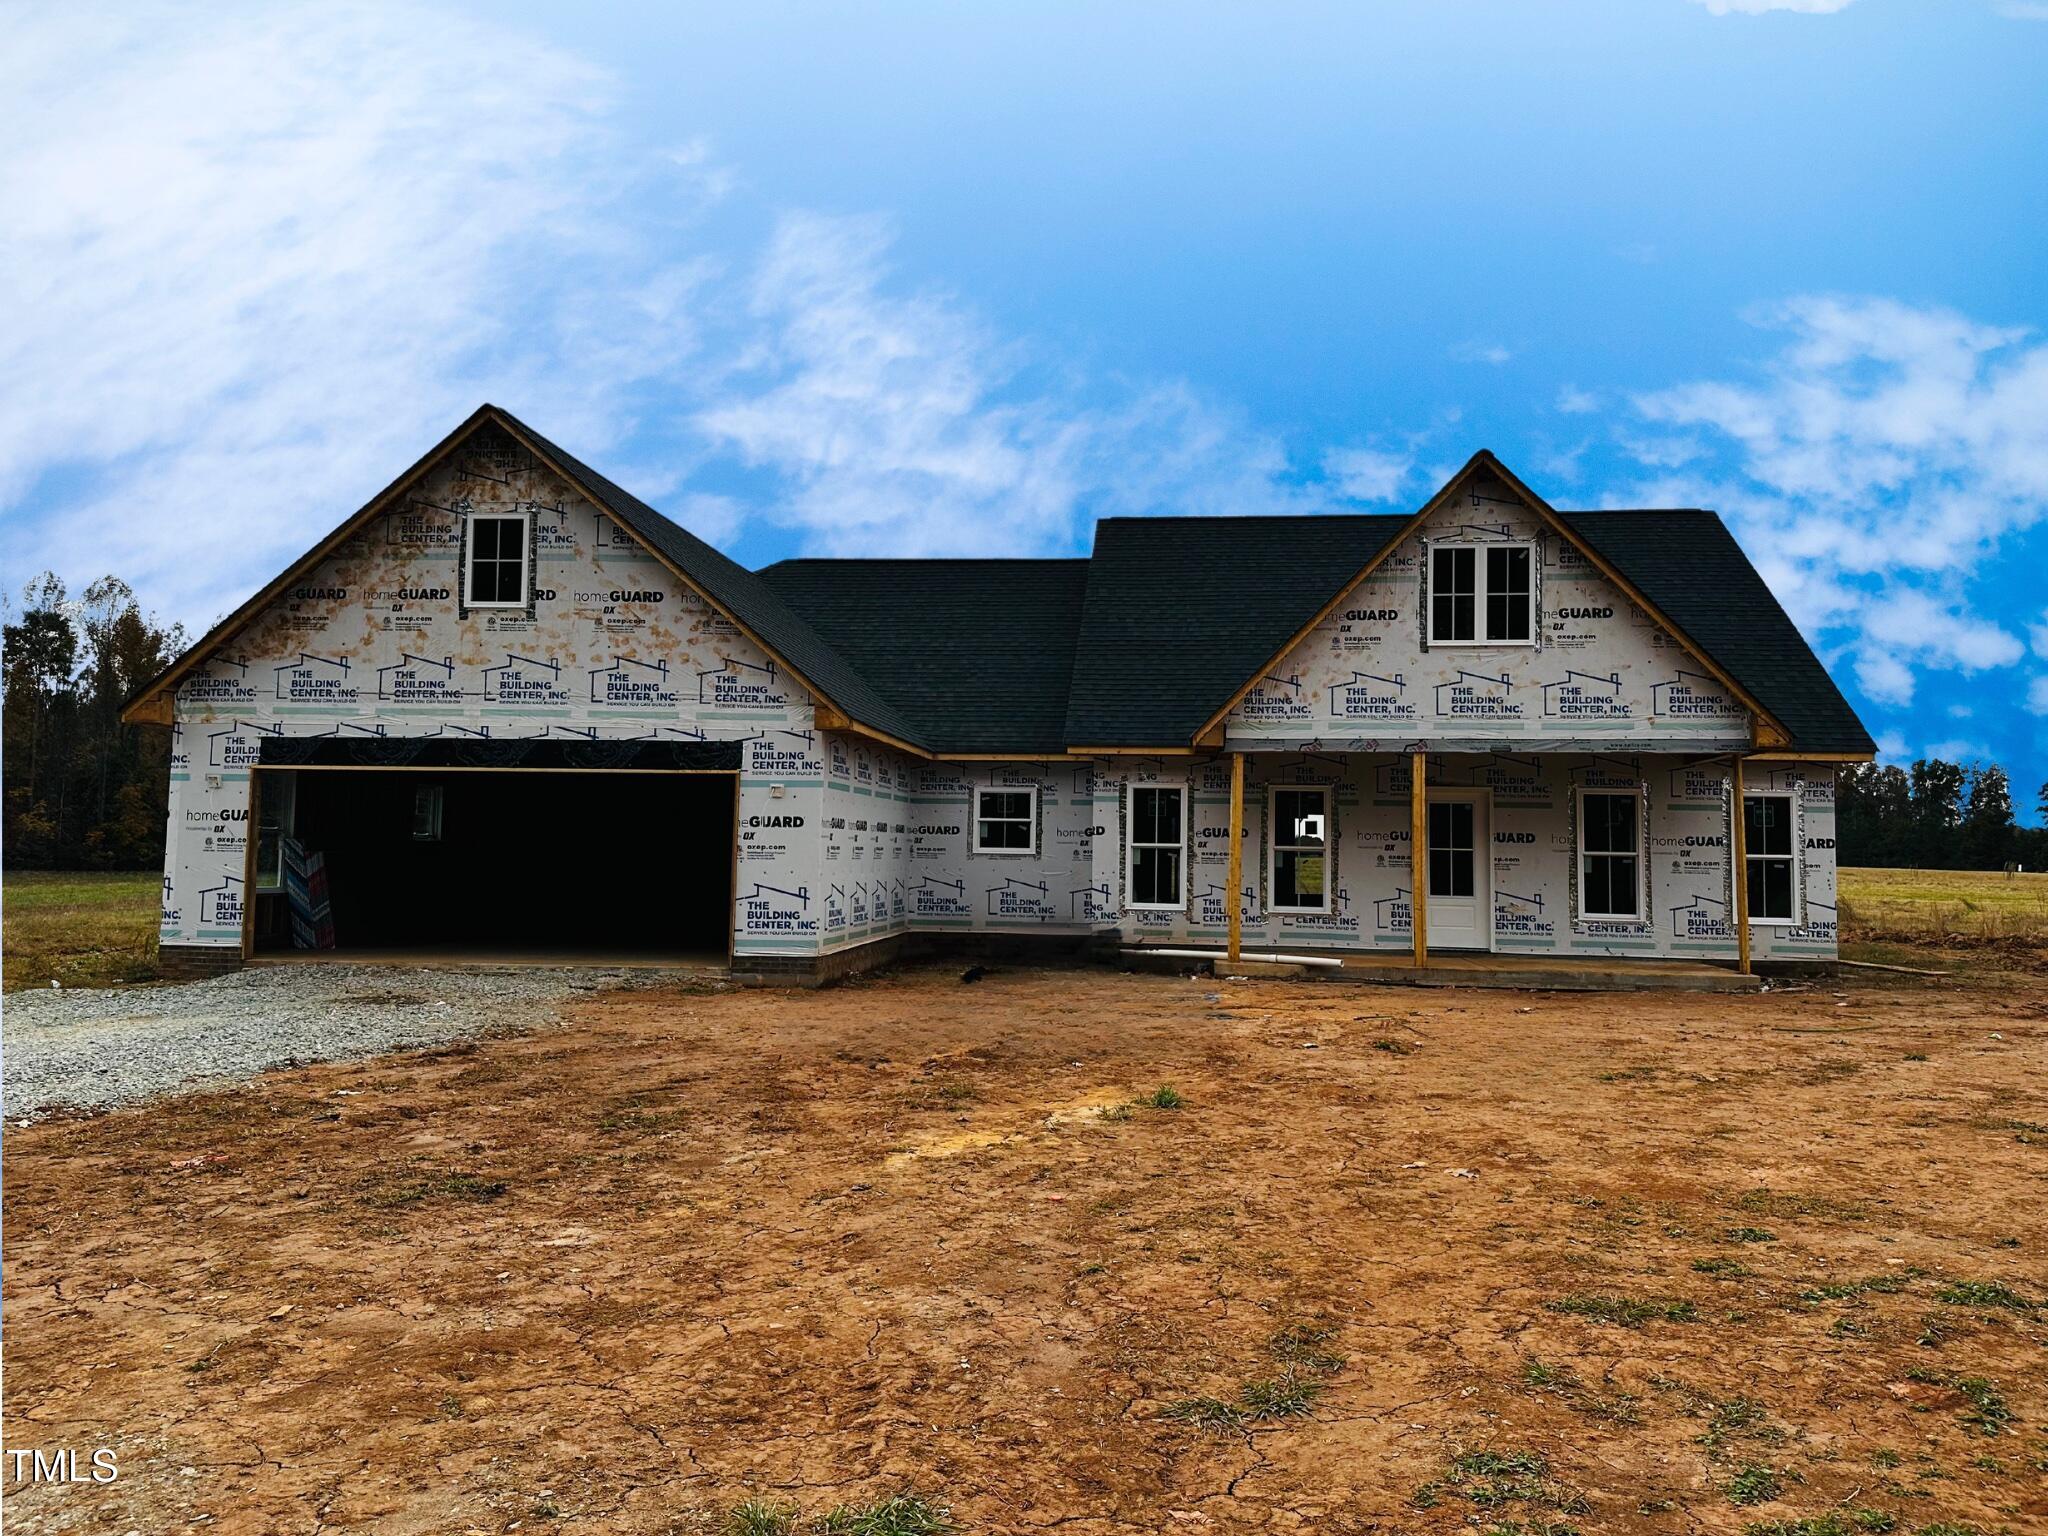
(305, 889)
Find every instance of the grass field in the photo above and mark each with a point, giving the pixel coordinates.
(84, 930)
(1937, 906)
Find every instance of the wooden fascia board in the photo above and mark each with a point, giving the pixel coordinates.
(151, 703)
(1811, 757)
(818, 696)
(1429, 508)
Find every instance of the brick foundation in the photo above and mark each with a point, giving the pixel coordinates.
(194, 962)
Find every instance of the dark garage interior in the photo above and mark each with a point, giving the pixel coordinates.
(516, 861)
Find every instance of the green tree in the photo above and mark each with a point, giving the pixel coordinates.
(1987, 826)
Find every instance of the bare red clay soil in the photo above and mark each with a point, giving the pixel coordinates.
(1633, 1263)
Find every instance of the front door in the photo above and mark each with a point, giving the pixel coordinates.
(1460, 911)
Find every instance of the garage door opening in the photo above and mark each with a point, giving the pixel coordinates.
(523, 863)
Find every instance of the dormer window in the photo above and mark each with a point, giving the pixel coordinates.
(494, 567)
(1482, 594)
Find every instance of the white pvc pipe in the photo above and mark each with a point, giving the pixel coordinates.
(1272, 957)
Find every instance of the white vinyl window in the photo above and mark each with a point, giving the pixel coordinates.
(1482, 594)
(494, 561)
(1772, 857)
(1156, 868)
(1610, 854)
(1298, 857)
(1006, 819)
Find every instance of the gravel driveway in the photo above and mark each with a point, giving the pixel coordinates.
(94, 1048)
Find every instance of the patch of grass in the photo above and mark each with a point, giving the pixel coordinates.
(901, 1514)
(1211, 1413)
(1725, 1269)
(1883, 1456)
(1843, 1523)
(1750, 1235)
(1740, 1418)
(1490, 1479)
(1117, 1112)
(1849, 1290)
(447, 1186)
(84, 929)
(1300, 1346)
(1392, 1046)
(1165, 1096)
(1948, 1528)
(1778, 1202)
(1548, 1378)
(1623, 1311)
(1753, 1483)
(1986, 1410)
(1984, 1293)
(634, 1116)
(758, 1517)
(1286, 1396)
(1628, 1075)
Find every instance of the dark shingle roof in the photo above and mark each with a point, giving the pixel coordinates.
(1181, 611)
(1140, 644)
(1690, 567)
(974, 653)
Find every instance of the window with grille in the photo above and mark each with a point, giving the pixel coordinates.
(1299, 835)
(1771, 857)
(495, 566)
(1006, 820)
(1610, 854)
(1158, 846)
(1482, 594)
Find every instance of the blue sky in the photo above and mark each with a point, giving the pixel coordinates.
(943, 279)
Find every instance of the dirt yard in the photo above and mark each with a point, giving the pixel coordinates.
(1398, 1261)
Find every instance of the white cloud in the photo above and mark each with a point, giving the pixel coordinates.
(2023, 10)
(1958, 750)
(1759, 7)
(1576, 402)
(1491, 353)
(1368, 474)
(895, 422)
(258, 259)
(1892, 748)
(2037, 695)
(1874, 467)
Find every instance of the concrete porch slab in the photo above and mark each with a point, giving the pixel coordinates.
(1547, 973)
(1451, 968)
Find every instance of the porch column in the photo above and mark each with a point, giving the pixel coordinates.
(1738, 870)
(1235, 893)
(1418, 853)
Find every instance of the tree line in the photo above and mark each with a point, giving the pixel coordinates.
(1934, 815)
(82, 790)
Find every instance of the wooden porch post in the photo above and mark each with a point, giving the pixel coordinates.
(1235, 892)
(1418, 854)
(1739, 872)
